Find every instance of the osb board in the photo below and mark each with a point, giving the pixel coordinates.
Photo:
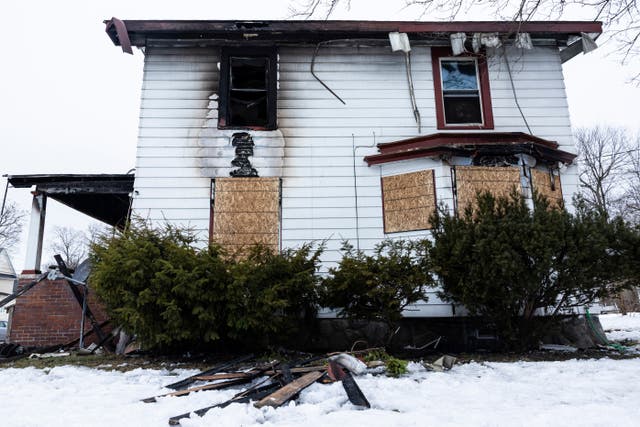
(247, 184)
(246, 211)
(541, 181)
(408, 200)
(470, 180)
(246, 201)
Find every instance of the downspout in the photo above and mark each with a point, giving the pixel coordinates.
(400, 41)
(412, 94)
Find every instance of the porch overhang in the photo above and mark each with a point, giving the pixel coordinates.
(105, 197)
(445, 145)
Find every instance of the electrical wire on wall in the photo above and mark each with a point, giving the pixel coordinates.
(355, 182)
(513, 88)
(346, 42)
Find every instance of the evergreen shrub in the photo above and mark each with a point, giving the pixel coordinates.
(509, 263)
(379, 286)
(157, 285)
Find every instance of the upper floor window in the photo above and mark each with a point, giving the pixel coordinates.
(461, 83)
(248, 89)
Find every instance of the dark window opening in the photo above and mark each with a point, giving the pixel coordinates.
(248, 90)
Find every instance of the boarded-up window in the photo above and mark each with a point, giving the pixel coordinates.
(246, 211)
(470, 180)
(541, 181)
(408, 200)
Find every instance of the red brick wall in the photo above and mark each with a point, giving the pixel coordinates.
(49, 314)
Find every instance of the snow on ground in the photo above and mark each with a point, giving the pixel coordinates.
(574, 392)
(564, 393)
(620, 327)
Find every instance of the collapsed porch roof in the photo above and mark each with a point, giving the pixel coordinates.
(136, 32)
(469, 145)
(104, 197)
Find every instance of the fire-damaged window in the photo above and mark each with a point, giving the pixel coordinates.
(461, 86)
(248, 89)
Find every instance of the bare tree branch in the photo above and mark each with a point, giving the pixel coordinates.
(71, 244)
(604, 158)
(11, 222)
(620, 17)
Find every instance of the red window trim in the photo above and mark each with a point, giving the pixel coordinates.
(485, 89)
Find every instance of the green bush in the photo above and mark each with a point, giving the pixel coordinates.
(269, 293)
(381, 285)
(507, 263)
(158, 286)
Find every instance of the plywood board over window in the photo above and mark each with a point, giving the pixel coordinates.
(408, 200)
(542, 184)
(246, 211)
(470, 180)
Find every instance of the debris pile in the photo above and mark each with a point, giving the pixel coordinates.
(275, 383)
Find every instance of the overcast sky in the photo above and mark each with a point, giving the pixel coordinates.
(69, 99)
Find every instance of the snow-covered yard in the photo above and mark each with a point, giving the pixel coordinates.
(619, 327)
(560, 393)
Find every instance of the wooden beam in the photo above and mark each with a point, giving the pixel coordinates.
(287, 392)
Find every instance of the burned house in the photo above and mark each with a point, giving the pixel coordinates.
(286, 132)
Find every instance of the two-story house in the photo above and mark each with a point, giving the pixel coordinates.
(286, 132)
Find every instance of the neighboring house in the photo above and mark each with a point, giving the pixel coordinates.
(8, 279)
(285, 132)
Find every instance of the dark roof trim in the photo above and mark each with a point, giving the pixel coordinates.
(121, 34)
(103, 197)
(315, 31)
(470, 144)
(108, 182)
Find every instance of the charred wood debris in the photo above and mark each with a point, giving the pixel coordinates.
(275, 383)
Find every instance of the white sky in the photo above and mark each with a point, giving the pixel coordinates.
(69, 99)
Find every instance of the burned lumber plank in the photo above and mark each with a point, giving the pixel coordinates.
(214, 386)
(216, 369)
(225, 376)
(285, 374)
(299, 370)
(285, 393)
(23, 290)
(95, 326)
(355, 395)
(255, 393)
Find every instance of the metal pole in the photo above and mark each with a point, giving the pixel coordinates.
(4, 198)
(355, 191)
(84, 313)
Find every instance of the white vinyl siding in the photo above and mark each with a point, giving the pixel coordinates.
(180, 148)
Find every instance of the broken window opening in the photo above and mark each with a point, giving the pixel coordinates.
(462, 92)
(248, 88)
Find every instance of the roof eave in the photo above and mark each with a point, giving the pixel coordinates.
(314, 31)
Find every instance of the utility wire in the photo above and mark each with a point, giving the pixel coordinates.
(513, 88)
